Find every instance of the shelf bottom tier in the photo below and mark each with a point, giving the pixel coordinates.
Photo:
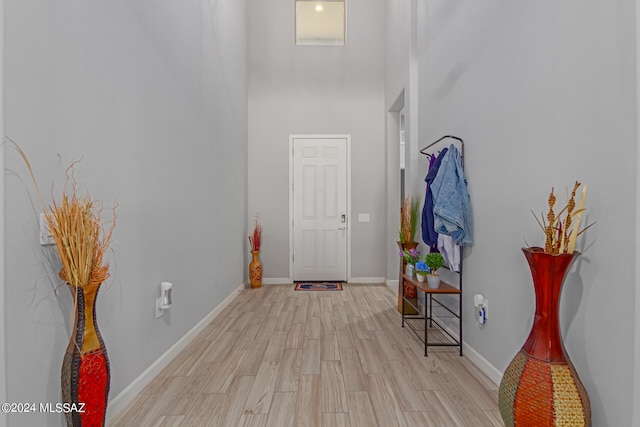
(437, 336)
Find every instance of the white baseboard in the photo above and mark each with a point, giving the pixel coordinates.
(366, 280)
(276, 281)
(288, 281)
(483, 364)
(477, 359)
(393, 283)
(120, 402)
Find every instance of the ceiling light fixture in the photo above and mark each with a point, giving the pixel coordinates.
(319, 8)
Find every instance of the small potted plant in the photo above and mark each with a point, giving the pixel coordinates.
(422, 269)
(434, 261)
(411, 256)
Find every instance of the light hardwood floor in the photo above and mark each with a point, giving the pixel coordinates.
(276, 357)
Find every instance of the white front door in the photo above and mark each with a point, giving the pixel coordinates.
(319, 208)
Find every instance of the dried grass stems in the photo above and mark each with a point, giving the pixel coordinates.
(561, 235)
(76, 227)
(405, 221)
(408, 219)
(78, 232)
(255, 238)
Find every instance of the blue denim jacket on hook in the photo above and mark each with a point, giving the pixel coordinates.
(451, 201)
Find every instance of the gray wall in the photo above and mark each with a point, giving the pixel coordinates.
(3, 317)
(543, 94)
(152, 95)
(316, 90)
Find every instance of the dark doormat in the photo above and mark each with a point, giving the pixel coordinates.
(319, 286)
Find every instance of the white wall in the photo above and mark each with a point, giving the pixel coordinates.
(543, 94)
(152, 95)
(316, 90)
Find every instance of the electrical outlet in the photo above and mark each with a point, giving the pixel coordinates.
(45, 235)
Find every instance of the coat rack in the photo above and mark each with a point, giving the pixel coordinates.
(425, 152)
(460, 276)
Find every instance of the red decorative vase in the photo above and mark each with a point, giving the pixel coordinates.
(85, 369)
(540, 386)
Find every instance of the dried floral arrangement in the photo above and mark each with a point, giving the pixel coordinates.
(255, 238)
(409, 211)
(561, 234)
(77, 229)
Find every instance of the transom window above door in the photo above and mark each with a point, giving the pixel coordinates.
(320, 22)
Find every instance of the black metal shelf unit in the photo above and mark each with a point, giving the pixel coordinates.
(426, 322)
(433, 309)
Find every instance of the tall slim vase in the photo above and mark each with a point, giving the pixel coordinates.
(540, 386)
(409, 290)
(85, 369)
(255, 270)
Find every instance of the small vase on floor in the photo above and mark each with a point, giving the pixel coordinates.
(255, 270)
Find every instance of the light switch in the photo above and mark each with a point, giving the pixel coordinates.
(363, 217)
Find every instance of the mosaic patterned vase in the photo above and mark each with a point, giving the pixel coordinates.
(85, 369)
(540, 386)
(255, 270)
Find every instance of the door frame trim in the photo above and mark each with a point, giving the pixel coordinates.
(635, 412)
(347, 138)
